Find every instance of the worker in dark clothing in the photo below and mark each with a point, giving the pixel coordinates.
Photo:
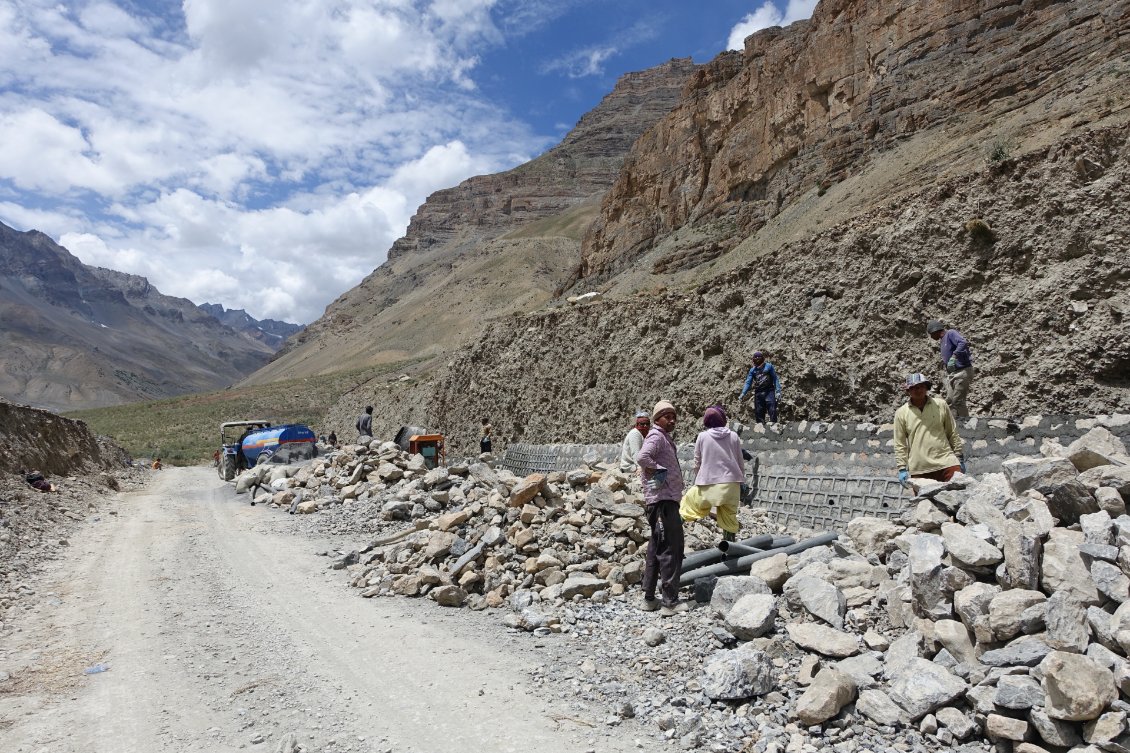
(240, 458)
(958, 362)
(365, 423)
(766, 386)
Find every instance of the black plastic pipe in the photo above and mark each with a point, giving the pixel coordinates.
(737, 565)
(734, 549)
(716, 554)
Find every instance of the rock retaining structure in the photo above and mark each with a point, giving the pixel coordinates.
(992, 611)
(821, 475)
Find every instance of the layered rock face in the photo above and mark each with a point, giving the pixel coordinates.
(75, 336)
(583, 165)
(493, 245)
(809, 105)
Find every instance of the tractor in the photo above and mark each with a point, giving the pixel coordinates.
(247, 443)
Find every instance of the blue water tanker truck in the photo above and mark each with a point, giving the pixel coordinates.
(248, 443)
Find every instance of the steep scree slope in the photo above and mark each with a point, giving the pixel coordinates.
(1044, 301)
(39, 440)
(809, 105)
(453, 269)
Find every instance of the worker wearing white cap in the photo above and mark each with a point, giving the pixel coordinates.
(663, 488)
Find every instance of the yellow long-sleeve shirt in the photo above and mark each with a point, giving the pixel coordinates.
(926, 440)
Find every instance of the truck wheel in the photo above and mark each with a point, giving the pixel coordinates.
(227, 467)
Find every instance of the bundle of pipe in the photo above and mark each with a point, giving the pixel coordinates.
(738, 564)
(718, 553)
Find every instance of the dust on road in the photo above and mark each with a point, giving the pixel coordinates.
(221, 634)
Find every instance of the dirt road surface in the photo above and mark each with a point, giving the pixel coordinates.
(221, 633)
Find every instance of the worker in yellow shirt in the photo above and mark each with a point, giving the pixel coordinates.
(926, 441)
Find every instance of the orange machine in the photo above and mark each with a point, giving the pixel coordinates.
(430, 446)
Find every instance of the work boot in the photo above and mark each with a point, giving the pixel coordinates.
(673, 608)
(729, 536)
(650, 605)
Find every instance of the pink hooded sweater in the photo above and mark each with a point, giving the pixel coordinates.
(718, 457)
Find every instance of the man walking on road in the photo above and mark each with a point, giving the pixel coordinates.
(766, 386)
(633, 442)
(927, 444)
(365, 423)
(958, 364)
(662, 490)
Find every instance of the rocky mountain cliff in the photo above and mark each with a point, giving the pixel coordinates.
(811, 105)
(1041, 293)
(270, 331)
(493, 245)
(821, 196)
(75, 336)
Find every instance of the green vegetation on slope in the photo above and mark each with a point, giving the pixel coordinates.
(571, 224)
(185, 430)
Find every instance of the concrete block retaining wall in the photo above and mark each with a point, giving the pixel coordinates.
(820, 475)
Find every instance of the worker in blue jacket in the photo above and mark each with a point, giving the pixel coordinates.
(766, 386)
(958, 363)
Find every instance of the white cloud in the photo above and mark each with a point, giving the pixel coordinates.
(768, 15)
(590, 60)
(260, 154)
(580, 63)
(283, 262)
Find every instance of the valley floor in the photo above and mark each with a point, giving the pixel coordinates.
(223, 633)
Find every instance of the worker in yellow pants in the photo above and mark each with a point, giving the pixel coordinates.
(719, 471)
(698, 501)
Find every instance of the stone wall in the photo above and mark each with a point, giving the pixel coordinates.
(820, 475)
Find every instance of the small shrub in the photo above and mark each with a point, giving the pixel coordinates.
(999, 151)
(980, 231)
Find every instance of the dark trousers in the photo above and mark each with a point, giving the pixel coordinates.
(765, 402)
(944, 474)
(664, 551)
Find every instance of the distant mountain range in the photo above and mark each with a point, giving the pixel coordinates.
(271, 331)
(75, 336)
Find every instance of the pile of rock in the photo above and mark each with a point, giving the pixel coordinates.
(1009, 597)
(469, 534)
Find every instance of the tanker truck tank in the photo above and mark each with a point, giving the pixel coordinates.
(287, 443)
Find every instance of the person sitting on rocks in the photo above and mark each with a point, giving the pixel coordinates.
(156, 464)
(719, 471)
(927, 444)
(662, 489)
(633, 442)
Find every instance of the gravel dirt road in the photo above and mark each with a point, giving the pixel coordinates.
(222, 633)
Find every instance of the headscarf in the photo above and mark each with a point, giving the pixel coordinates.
(714, 417)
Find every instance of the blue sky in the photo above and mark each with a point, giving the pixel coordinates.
(264, 155)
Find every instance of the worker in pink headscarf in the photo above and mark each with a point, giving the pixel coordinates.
(719, 472)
